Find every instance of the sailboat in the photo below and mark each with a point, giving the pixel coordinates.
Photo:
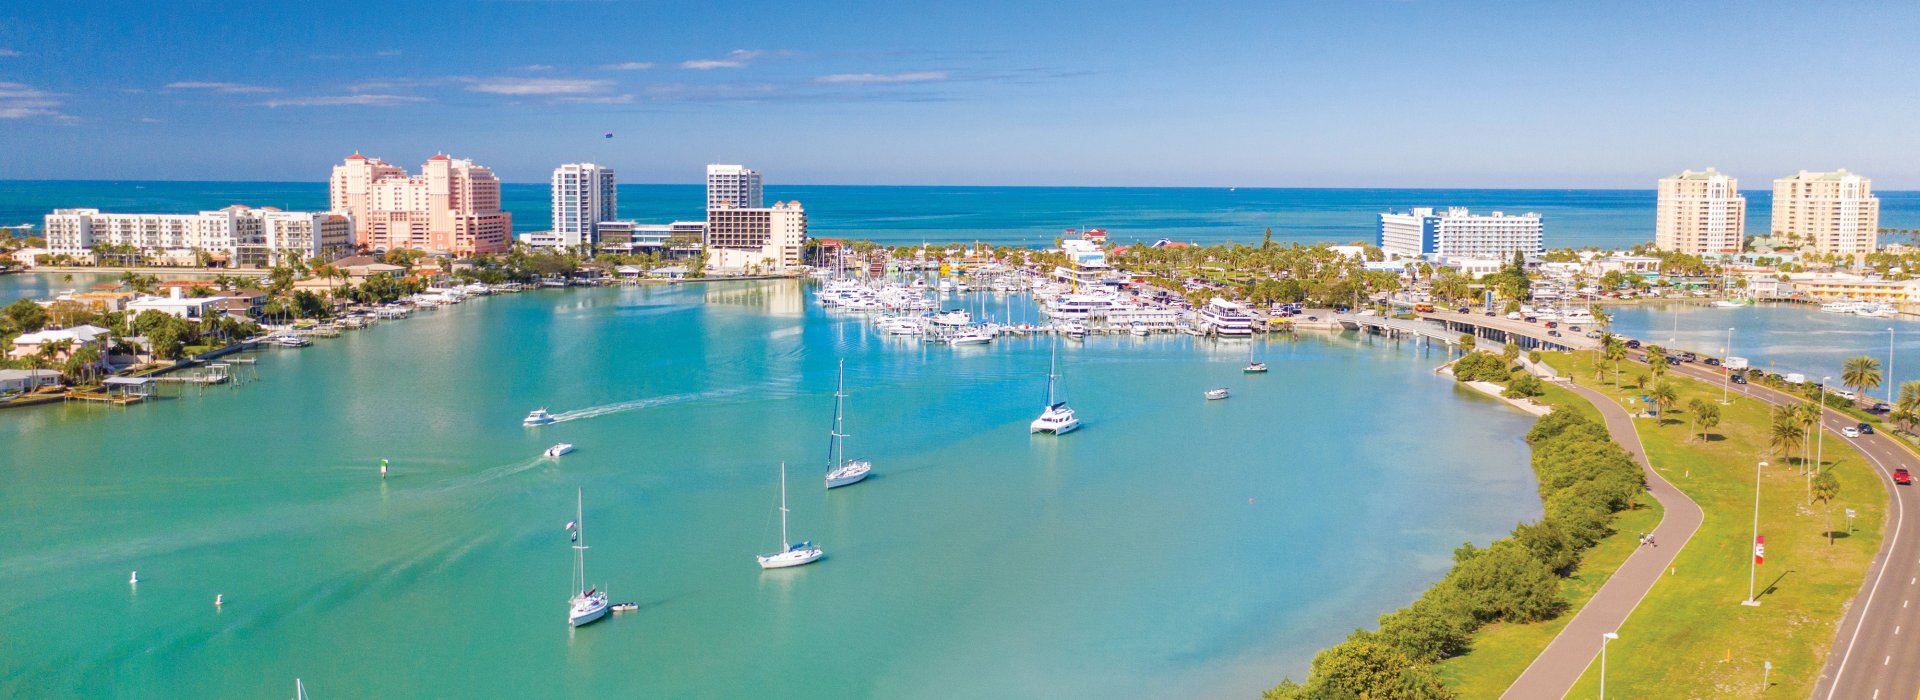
(790, 554)
(1058, 418)
(840, 470)
(587, 604)
(1253, 366)
(299, 690)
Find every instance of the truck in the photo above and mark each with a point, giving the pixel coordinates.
(1796, 378)
(1735, 364)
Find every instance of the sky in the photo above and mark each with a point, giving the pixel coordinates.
(1356, 93)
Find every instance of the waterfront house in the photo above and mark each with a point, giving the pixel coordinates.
(627, 272)
(174, 303)
(29, 344)
(20, 381)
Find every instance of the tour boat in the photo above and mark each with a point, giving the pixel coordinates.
(559, 449)
(588, 603)
(790, 554)
(1058, 418)
(840, 470)
(1225, 319)
(1217, 394)
(539, 416)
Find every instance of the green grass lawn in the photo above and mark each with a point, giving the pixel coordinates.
(1691, 637)
(1502, 651)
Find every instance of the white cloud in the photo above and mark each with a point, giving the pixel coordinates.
(223, 88)
(537, 68)
(361, 100)
(19, 101)
(538, 86)
(8, 53)
(629, 65)
(916, 77)
(151, 120)
(711, 63)
(595, 100)
(389, 53)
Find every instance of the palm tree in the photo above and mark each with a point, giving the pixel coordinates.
(1615, 353)
(1808, 416)
(1784, 432)
(1709, 416)
(1861, 373)
(1826, 487)
(1665, 396)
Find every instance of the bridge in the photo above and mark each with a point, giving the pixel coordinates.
(1489, 330)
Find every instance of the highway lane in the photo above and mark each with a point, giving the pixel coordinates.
(1871, 658)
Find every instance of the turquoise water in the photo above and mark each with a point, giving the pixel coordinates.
(1175, 547)
(996, 215)
(1780, 337)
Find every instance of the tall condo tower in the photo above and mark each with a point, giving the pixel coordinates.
(733, 186)
(1835, 213)
(1700, 213)
(583, 197)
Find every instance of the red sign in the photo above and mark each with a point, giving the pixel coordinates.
(1760, 549)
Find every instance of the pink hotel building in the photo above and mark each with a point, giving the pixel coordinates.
(452, 205)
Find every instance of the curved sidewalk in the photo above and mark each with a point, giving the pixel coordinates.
(1561, 664)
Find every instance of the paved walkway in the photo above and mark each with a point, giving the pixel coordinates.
(1560, 665)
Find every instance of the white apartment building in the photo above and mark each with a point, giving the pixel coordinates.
(1700, 213)
(769, 237)
(243, 236)
(733, 186)
(583, 197)
(1420, 232)
(1835, 213)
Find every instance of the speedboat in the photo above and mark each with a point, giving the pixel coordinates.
(1074, 331)
(624, 607)
(539, 416)
(1138, 328)
(1217, 393)
(1255, 368)
(974, 335)
(559, 449)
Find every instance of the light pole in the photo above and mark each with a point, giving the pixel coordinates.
(1753, 565)
(1889, 366)
(1608, 637)
(1726, 375)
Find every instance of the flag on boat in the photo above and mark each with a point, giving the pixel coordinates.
(1759, 549)
(609, 134)
(571, 524)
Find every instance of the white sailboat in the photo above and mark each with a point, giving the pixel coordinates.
(587, 604)
(1058, 418)
(790, 554)
(299, 690)
(840, 470)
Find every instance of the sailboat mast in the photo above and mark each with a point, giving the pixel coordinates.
(580, 545)
(1053, 362)
(839, 419)
(784, 545)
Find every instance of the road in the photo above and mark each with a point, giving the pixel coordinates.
(1868, 660)
(1560, 665)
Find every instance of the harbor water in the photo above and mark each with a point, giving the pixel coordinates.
(1779, 337)
(1173, 547)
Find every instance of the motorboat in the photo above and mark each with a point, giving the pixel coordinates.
(589, 603)
(624, 607)
(972, 335)
(560, 449)
(1218, 393)
(790, 554)
(1074, 331)
(1137, 328)
(840, 470)
(1255, 368)
(539, 416)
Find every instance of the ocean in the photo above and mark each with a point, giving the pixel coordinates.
(1023, 216)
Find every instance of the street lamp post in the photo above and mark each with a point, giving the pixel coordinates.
(1753, 565)
(1890, 367)
(1726, 375)
(1608, 637)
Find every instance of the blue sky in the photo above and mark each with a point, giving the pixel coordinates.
(1358, 93)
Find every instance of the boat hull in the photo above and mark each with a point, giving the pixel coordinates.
(847, 477)
(584, 613)
(791, 558)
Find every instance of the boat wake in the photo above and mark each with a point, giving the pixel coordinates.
(637, 404)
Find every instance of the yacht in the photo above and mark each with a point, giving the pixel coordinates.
(1225, 318)
(1074, 331)
(972, 335)
(1255, 368)
(1578, 317)
(1876, 309)
(588, 603)
(790, 554)
(954, 318)
(291, 341)
(1137, 328)
(1058, 418)
(1218, 393)
(559, 449)
(1731, 303)
(539, 416)
(840, 470)
(1077, 307)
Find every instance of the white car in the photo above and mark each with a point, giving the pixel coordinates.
(1850, 431)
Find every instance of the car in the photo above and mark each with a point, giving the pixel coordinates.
(1633, 344)
(1688, 357)
(1465, 310)
(1553, 334)
(1575, 329)
(1673, 361)
(1739, 378)
(1850, 431)
(1848, 395)
(1490, 314)
(1865, 428)
(1880, 408)
(1531, 319)
(1901, 477)
(1593, 334)
(1313, 318)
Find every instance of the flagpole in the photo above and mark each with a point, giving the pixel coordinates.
(1753, 569)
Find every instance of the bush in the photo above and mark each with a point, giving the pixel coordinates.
(1523, 385)
(1480, 366)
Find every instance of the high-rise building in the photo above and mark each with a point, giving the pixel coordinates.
(769, 237)
(733, 186)
(452, 205)
(583, 198)
(239, 235)
(1700, 213)
(1835, 213)
(1456, 233)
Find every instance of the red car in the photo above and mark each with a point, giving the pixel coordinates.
(1901, 477)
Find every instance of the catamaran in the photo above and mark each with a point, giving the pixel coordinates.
(587, 604)
(539, 416)
(1058, 418)
(790, 554)
(840, 470)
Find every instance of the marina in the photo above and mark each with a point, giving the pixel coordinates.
(326, 569)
